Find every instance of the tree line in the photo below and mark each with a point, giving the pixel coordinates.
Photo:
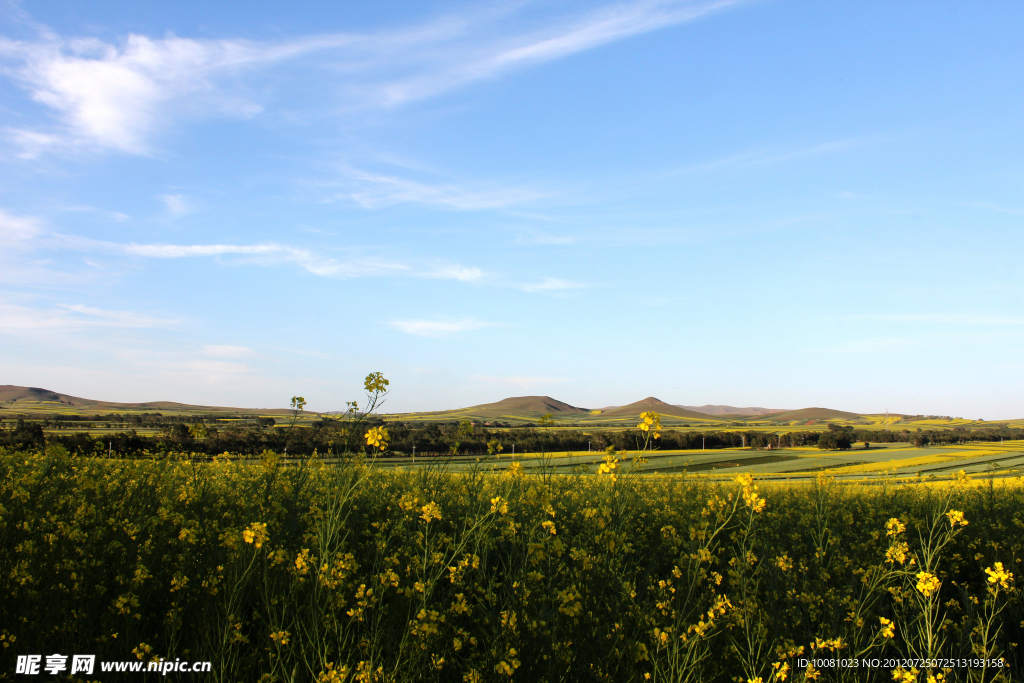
(336, 437)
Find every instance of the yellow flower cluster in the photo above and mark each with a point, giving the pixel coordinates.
(610, 464)
(898, 550)
(302, 562)
(902, 675)
(430, 511)
(894, 527)
(956, 517)
(888, 628)
(927, 583)
(781, 672)
(998, 575)
(650, 422)
(377, 437)
(508, 665)
(332, 674)
(749, 492)
(256, 534)
(499, 505)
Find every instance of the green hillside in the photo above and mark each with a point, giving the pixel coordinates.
(658, 406)
(527, 404)
(812, 414)
(44, 400)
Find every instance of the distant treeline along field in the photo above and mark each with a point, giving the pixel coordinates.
(330, 436)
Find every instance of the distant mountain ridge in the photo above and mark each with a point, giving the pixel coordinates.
(657, 405)
(732, 410)
(813, 414)
(529, 404)
(529, 407)
(13, 393)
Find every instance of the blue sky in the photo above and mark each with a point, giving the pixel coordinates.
(767, 203)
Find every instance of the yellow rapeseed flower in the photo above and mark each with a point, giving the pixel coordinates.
(901, 675)
(610, 464)
(998, 575)
(888, 628)
(927, 583)
(897, 552)
(745, 480)
(256, 534)
(430, 512)
(332, 674)
(894, 527)
(377, 437)
(956, 517)
(650, 421)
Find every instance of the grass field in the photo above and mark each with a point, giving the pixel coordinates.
(896, 460)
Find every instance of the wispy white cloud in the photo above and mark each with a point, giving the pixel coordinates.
(767, 157)
(957, 319)
(521, 383)
(377, 190)
(33, 143)
(117, 95)
(112, 96)
(103, 318)
(263, 254)
(962, 338)
(15, 318)
(186, 367)
(439, 328)
(176, 204)
(543, 238)
(454, 271)
(477, 60)
(1013, 211)
(269, 254)
(18, 228)
(224, 351)
(112, 215)
(551, 284)
(28, 234)
(873, 345)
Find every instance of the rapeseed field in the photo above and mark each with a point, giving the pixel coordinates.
(327, 573)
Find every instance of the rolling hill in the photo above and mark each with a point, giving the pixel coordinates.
(515, 410)
(516, 405)
(813, 414)
(10, 393)
(732, 410)
(658, 406)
